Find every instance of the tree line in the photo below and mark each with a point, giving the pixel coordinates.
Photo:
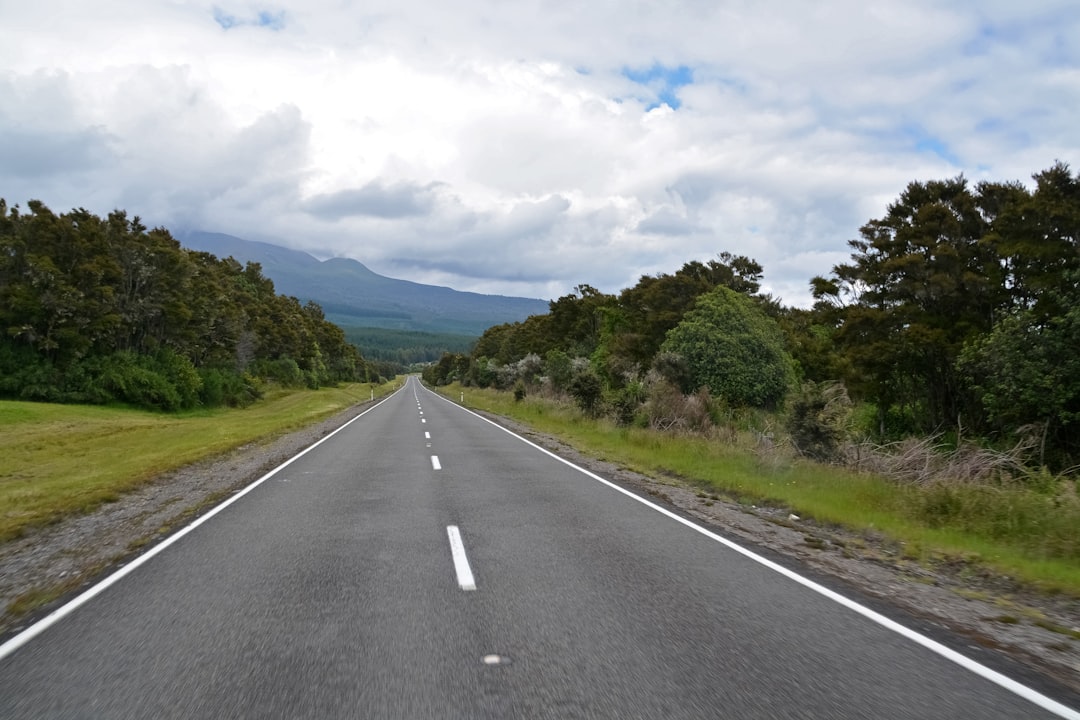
(958, 313)
(100, 310)
(404, 348)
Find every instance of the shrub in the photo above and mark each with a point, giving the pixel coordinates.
(669, 409)
(731, 345)
(127, 377)
(587, 389)
(178, 371)
(628, 402)
(226, 387)
(558, 368)
(818, 420)
(283, 371)
(672, 366)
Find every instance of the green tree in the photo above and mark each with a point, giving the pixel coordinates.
(94, 310)
(656, 304)
(921, 283)
(732, 347)
(575, 321)
(587, 389)
(1026, 373)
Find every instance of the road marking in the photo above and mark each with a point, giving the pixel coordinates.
(427, 436)
(999, 679)
(435, 462)
(75, 603)
(461, 563)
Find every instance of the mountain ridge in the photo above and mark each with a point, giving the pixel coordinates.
(353, 295)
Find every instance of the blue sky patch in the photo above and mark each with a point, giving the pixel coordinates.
(924, 142)
(662, 80)
(263, 18)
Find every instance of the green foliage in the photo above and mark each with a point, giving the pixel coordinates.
(734, 349)
(673, 368)
(920, 284)
(450, 368)
(588, 390)
(134, 379)
(1026, 371)
(628, 401)
(406, 347)
(285, 371)
(954, 315)
(558, 368)
(955, 311)
(650, 309)
(222, 388)
(102, 310)
(818, 419)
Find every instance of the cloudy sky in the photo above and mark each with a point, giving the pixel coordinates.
(524, 147)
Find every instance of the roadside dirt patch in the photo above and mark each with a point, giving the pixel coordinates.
(50, 564)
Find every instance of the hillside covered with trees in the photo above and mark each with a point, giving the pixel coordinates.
(958, 314)
(98, 310)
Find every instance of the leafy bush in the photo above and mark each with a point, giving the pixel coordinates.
(672, 366)
(587, 389)
(128, 377)
(731, 346)
(628, 402)
(818, 420)
(226, 387)
(178, 371)
(558, 369)
(283, 371)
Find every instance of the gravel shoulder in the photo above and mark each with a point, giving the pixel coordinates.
(51, 564)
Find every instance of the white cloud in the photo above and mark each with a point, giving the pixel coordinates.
(505, 147)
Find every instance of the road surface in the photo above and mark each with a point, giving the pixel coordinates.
(423, 563)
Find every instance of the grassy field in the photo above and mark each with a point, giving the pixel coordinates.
(1024, 534)
(59, 460)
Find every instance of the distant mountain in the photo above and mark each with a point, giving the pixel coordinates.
(352, 295)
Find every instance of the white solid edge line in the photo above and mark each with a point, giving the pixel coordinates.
(75, 603)
(944, 651)
(461, 562)
(435, 463)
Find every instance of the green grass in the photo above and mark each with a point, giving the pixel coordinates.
(61, 460)
(1014, 532)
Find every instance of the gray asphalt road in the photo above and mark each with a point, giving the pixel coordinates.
(331, 591)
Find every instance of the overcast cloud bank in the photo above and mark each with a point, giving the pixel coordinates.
(524, 148)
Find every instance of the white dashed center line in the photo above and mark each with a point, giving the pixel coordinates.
(461, 562)
(435, 462)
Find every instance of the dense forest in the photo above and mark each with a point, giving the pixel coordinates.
(404, 348)
(957, 315)
(100, 310)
